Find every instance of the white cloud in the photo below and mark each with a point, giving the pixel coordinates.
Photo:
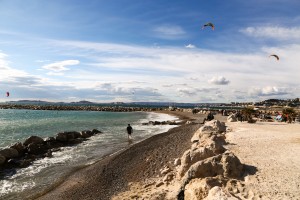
(274, 32)
(190, 46)
(220, 80)
(61, 66)
(169, 32)
(3, 61)
(269, 91)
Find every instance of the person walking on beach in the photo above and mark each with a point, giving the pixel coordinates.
(129, 131)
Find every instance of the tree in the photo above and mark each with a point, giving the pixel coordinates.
(289, 113)
(247, 113)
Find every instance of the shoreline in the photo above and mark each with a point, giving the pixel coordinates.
(108, 176)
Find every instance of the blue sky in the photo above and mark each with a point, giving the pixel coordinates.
(133, 50)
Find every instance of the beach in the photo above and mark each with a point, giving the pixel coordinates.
(139, 162)
(268, 151)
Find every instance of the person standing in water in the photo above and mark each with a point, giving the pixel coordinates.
(129, 131)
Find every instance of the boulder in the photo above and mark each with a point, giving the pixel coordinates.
(95, 131)
(204, 130)
(36, 149)
(33, 139)
(217, 125)
(177, 161)
(168, 177)
(196, 189)
(232, 166)
(231, 118)
(19, 147)
(199, 188)
(2, 160)
(61, 137)
(9, 153)
(226, 165)
(218, 193)
(86, 133)
(192, 156)
(49, 139)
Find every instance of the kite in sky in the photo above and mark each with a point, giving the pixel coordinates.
(277, 57)
(209, 24)
(7, 94)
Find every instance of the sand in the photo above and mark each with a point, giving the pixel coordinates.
(272, 151)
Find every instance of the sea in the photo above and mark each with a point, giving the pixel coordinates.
(17, 125)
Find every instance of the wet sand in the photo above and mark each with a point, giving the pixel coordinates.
(139, 162)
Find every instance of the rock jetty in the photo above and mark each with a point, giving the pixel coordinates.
(77, 107)
(20, 155)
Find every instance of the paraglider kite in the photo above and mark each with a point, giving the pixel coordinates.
(277, 57)
(7, 94)
(209, 24)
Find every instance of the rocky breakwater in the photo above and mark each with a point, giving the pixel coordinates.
(154, 123)
(205, 171)
(21, 155)
(78, 107)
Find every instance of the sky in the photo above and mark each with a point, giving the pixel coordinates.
(150, 50)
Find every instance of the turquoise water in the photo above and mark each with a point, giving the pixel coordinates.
(17, 125)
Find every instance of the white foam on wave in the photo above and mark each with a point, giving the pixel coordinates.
(8, 186)
(152, 116)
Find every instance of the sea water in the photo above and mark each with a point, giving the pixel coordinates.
(17, 125)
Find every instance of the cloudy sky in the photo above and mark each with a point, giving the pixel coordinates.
(150, 50)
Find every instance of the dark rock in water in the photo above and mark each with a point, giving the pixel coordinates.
(19, 147)
(49, 139)
(156, 123)
(76, 134)
(12, 163)
(61, 137)
(24, 163)
(9, 153)
(75, 141)
(2, 160)
(86, 134)
(31, 157)
(95, 131)
(18, 163)
(48, 154)
(37, 149)
(33, 139)
(22, 155)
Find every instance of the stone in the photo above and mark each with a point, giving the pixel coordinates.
(2, 160)
(165, 170)
(86, 133)
(33, 139)
(216, 125)
(218, 193)
(61, 137)
(168, 177)
(95, 131)
(177, 162)
(196, 189)
(226, 165)
(36, 149)
(9, 153)
(19, 147)
(231, 118)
